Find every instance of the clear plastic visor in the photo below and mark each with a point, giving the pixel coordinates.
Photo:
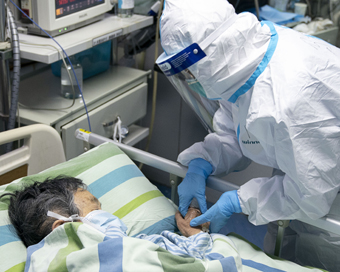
(193, 94)
(177, 69)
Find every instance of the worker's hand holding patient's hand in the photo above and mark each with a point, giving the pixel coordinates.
(220, 212)
(193, 185)
(183, 224)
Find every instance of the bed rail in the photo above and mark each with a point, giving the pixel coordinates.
(42, 148)
(153, 160)
(330, 222)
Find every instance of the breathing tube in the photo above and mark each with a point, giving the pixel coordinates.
(16, 75)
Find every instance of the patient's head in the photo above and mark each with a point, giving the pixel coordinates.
(63, 195)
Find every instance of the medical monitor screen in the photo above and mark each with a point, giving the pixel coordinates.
(67, 7)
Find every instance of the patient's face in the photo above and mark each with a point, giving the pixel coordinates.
(86, 202)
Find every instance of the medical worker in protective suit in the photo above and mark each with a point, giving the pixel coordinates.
(274, 95)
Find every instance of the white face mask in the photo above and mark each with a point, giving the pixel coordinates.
(99, 219)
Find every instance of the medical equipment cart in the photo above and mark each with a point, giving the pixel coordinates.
(119, 91)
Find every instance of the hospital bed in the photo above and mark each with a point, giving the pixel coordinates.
(132, 198)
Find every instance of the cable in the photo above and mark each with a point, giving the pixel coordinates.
(16, 75)
(88, 117)
(257, 8)
(68, 72)
(331, 10)
(118, 131)
(309, 8)
(237, 3)
(18, 109)
(155, 77)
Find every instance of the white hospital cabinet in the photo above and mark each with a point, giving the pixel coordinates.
(119, 91)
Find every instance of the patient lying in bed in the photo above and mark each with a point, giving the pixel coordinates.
(47, 217)
(40, 208)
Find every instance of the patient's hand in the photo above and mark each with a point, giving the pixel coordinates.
(183, 224)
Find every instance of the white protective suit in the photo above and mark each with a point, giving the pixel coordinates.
(279, 106)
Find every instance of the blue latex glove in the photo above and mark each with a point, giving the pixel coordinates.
(193, 185)
(220, 212)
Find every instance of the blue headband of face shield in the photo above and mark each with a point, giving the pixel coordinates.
(174, 64)
(181, 61)
(177, 69)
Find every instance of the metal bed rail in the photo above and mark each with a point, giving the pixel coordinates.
(328, 223)
(153, 160)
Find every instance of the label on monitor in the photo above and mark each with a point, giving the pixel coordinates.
(107, 37)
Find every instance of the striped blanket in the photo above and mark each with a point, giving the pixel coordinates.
(79, 247)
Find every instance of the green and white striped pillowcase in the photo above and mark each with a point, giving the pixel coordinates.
(118, 184)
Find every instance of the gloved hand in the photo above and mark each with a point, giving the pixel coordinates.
(220, 212)
(193, 185)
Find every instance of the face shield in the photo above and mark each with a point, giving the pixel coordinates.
(194, 92)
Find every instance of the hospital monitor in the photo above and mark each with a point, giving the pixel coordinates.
(60, 16)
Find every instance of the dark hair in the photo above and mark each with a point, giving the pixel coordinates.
(28, 207)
